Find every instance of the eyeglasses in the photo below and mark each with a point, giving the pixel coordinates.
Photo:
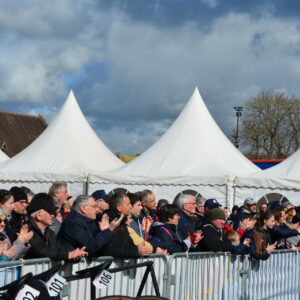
(193, 203)
(2, 221)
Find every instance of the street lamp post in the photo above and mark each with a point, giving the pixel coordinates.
(238, 114)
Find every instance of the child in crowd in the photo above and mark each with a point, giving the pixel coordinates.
(239, 248)
(66, 209)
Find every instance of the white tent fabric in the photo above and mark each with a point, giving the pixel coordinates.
(193, 151)
(67, 150)
(285, 175)
(3, 156)
(283, 179)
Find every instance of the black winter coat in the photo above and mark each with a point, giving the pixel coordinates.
(214, 240)
(78, 231)
(45, 245)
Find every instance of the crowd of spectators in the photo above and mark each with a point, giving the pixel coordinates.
(132, 225)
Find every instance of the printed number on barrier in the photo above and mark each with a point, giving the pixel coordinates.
(27, 293)
(103, 280)
(55, 284)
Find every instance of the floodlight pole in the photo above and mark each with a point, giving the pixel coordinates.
(238, 114)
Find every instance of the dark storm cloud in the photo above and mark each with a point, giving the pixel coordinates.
(174, 13)
(133, 64)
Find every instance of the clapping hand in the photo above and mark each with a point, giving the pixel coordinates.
(77, 253)
(271, 248)
(144, 250)
(115, 223)
(24, 236)
(8, 252)
(246, 242)
(3, 246)
(162, 251)
(104, 224)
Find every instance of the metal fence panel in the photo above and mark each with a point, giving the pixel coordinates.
(192, 276)
(9, 271)
(235, 266)
(196, 276)
(123, 283)
(276, 278)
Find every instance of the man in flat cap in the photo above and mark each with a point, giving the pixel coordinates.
(44, 243)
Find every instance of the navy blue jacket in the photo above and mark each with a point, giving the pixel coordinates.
(185, 225)
(78, 231)
(168, 237)
(282, 232)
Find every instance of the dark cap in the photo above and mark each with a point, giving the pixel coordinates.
(100, 194)
(18, 194)
(212, 203)
(217, 213)
(276, 204)
(41, 201)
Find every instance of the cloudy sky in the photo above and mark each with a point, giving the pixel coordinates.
(133, 64)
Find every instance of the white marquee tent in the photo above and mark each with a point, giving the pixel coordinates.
(193, 154)
(3, 156)
(67, 150)
(283, 179)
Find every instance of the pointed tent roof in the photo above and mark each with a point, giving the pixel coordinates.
(68, 147)
(192, 151)
(285, 175)
(3, 156)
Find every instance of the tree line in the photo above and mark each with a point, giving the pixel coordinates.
(270, 126)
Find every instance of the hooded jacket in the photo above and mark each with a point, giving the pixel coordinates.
(168, 237)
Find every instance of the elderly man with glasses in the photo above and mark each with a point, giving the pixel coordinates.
(80, 228)
(186, 228)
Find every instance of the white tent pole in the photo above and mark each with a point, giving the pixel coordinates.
(85, 183)
(229, 181)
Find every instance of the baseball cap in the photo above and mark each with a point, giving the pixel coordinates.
(249, 201)
(212, 203)
(100, 194)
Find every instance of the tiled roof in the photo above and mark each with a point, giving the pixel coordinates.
(17, 131)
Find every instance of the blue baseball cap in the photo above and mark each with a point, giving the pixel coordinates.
(100, 194)
(276, 204)
(212, 203)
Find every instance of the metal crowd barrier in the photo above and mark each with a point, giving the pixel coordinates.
(186, 276)
(196, 276)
